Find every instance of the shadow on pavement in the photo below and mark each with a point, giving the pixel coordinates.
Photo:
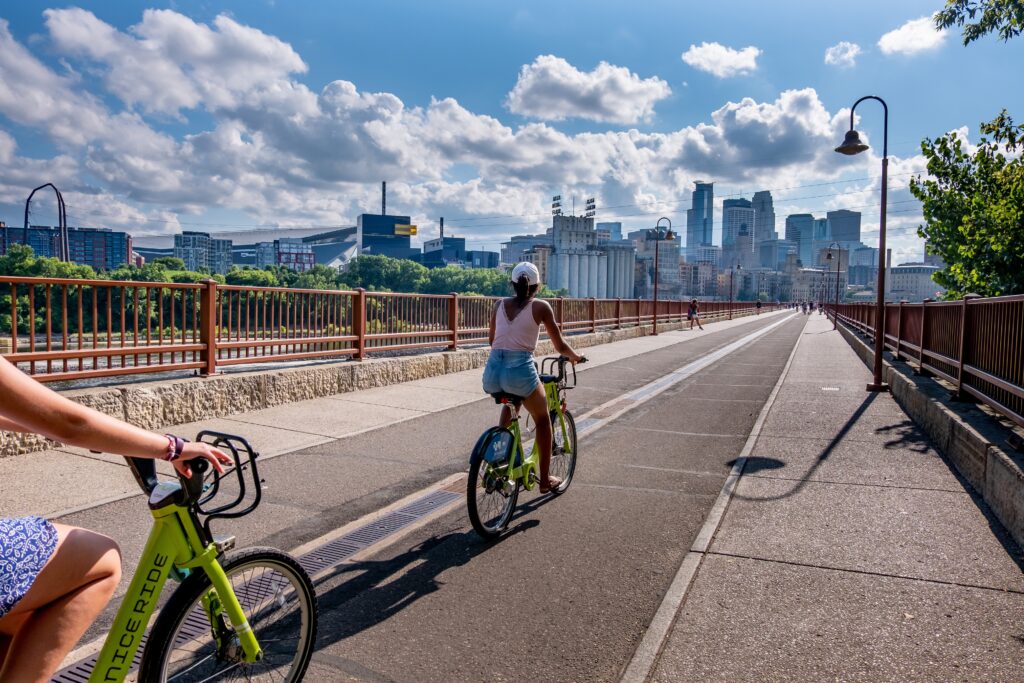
(757, 463)
(822, 457)
(379, 589)
(908, 436)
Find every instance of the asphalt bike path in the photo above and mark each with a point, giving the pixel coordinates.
(569, 591)
(313, 491)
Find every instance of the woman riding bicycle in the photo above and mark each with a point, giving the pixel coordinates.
(56, 579)
(514, 331)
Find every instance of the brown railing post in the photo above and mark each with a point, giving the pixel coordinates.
(559, 318)
(618, 313)
(453, 321)
(359, 322)
(965, 347)
(208, 328)
(593, 314)
(924, 338)
(899, 329)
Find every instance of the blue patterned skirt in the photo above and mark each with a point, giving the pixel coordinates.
(26, 544)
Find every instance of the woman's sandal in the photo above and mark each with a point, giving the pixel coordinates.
(551, 489)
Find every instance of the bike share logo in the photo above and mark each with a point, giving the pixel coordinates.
(133, 629)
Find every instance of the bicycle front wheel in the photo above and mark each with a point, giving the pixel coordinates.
(563, 450)
(279, 601)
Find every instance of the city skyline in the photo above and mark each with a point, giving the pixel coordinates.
(144, 134)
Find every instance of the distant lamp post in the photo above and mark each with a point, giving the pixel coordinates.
(668, 236)
(839, 262)
(852, 144)
(739, 266)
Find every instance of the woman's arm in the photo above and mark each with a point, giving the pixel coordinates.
(28, 406)
(547, 316)
(490, 331)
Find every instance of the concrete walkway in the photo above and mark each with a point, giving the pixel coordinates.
(59, 482)
(849, 550)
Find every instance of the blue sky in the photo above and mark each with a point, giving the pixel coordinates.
(233, 115)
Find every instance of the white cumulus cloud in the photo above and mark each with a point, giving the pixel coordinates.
(843, 53)
(917, 35)
(286, 153)
(553, 89)
(722, 61)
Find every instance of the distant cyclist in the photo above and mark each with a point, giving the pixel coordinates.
(514, 331)
(55, 579)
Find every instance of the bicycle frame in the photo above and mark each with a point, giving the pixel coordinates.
(531, 465)
(174, 541)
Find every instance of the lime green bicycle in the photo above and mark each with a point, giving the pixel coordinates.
(499, 467)
(246, 615)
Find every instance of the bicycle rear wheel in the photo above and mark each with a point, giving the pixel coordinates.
(279, 601)
(490, 496)
(563, 450)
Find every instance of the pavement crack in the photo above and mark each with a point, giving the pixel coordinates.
(866, 572)
(855, 483)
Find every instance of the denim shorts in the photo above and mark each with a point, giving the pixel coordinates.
(512, 372)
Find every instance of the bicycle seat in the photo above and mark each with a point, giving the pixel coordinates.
(548, 379)
(503, 397)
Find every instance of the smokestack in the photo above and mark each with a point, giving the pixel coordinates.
(442, 228)
(384, 198)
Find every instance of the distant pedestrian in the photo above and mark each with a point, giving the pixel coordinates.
(693, 314)
(758, 307)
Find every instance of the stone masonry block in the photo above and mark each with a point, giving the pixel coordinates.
(300, 384)
(968, 450)
(1004, 490)
(379, 372)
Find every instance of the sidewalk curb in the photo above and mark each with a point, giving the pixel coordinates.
(966, 437)
(161, 404)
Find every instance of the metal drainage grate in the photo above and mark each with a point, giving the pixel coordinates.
(315, 561)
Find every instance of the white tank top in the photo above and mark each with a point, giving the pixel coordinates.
(519, 334)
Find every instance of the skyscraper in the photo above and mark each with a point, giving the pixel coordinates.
(845, 225)
(700, 217)
(764, 218)
(735, 213)
(799, 230)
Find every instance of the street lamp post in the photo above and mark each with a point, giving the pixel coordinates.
(839, 262)
(732, 272)
(852, 145)
(668, 236)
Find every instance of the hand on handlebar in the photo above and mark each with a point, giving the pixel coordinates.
(198, 449)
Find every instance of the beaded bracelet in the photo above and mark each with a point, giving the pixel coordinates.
(175, 445)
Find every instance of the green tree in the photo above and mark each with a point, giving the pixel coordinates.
(251, 277)
(974, 209)
(170, 262)
(981, 17)
(383, 273)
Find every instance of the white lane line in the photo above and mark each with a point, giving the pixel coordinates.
(610, 410)
(646, 655)
(598, 417)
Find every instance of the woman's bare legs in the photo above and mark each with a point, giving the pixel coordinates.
(66, 597)
(537, 404)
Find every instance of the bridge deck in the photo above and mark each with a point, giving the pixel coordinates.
(848, 549)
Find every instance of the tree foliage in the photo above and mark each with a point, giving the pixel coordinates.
(980, 17)
(974, 209)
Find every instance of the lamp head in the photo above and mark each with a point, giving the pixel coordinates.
(851, 144)
(669, 235)
(828, 256)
